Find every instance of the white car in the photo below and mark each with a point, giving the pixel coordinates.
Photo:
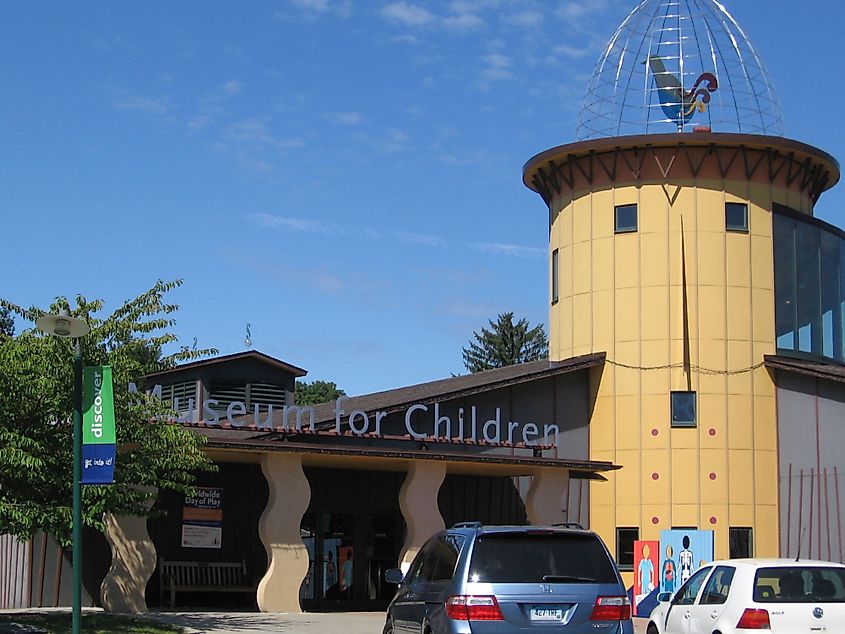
(783, 596)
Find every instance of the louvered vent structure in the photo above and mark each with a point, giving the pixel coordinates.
(251, 394)
(180, 395)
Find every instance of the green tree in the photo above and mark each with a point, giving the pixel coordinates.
(505, 343)
(316, 392)
(7, 323)
(36, 404)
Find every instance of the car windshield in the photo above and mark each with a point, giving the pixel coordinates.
(543, 558)
(799, 584)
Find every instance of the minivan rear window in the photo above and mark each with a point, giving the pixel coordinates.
(541, 558)
(800, 584)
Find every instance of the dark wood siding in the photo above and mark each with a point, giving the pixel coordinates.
(490, 500)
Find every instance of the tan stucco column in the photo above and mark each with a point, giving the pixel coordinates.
(287, 557)
(133, 559)
(548, 496)
(418, 503)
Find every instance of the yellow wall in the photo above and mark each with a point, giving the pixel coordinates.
(624, 294)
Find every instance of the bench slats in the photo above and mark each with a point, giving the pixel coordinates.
(202, 576)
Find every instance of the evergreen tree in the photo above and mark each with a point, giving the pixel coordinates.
(36, 405)
(316, 392)
(505, 343)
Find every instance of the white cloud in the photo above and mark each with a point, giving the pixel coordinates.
(512, 250)
(341, 8)
(571, 51)
(407, 13)
(231, 87)
(312, 5)
(424, 239)
(256, 132)
(345, 118)
(529, 19)
(148, 105)
(301, 225)
(497, 67)
(405, 39)
(463, 22)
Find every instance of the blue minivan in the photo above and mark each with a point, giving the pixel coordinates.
(476, 579)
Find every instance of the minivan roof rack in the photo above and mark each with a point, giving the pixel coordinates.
(467, 525)
(569, 525)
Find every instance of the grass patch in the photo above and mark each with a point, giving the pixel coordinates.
(96, 623)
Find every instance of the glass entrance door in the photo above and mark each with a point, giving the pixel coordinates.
(348, 556)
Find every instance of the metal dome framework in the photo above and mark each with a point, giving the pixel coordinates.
(675, 64)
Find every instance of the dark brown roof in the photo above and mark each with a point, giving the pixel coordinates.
(818, 369)
(248, 354)
(454, 387)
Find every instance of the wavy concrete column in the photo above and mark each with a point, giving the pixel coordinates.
(278, 527)
(548, 497)
(418, 503)
(133, 559)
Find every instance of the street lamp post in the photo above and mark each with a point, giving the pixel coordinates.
(63, 325)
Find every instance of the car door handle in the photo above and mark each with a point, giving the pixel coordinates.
(714, 614)
(686, 614)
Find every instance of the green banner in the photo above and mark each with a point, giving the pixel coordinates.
(98, 406)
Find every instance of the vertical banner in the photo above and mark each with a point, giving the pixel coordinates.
(683, 552)
(202, 519)
(98, 436)
(646, 579)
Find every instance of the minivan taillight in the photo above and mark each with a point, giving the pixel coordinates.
(754, 619)
(469, 607)
(611, 609)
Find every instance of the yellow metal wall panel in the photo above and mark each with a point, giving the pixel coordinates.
(564, 224)
(763, 315)
(628, 480)
(654, 354)
(739, 358)
(626, 260)
(582, 320)
(741, 475)
(651, 529)
(627, 315)
(602, 320)
(627, 514)
(759, 209)
(581, 219)
(742, 516)
(653, 210)
(602, 264)
(654, 259)
(713, 478)
(738, 258)
(564, 335)
(627, 422)
(765, 423)
(684, 515)
(655, 476)
(713, 319)
(655, 416)
(765, 480)
(711, 259)
(711, 210)
(739, 313)
(603, 214)
(627, 379)
(762, 264)
(766, 533)
(740, 422)
(565, 267)
(685, 468)
(711, 415)
(582, 276)
(714, 517)
(654, 313)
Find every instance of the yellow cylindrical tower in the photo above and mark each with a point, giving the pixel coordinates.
(661, 256)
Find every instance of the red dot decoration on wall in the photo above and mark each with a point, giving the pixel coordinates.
(655, 476)
(713, 519)
(711, 431)
(712, 475)
(655, 520)
(654, 431)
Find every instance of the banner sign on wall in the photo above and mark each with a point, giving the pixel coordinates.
(98, 434)
(682, 553)
(646, 582)
(202, 519)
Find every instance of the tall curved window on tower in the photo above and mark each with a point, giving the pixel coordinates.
(809, 259)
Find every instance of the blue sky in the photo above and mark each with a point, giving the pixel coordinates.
(344, 176)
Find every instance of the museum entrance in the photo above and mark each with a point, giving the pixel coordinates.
(353, 531)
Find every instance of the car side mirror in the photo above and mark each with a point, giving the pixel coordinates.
(394, 575)
(664, 597)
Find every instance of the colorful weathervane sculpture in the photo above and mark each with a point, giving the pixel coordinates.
(675, 64)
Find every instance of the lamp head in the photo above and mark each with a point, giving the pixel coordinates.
(62, 325)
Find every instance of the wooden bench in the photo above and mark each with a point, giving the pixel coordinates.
(202, 576)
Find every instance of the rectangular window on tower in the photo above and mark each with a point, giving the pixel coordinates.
(555, 280)
(683, 409)
(736, 217)
(625, 218)
(625, 538)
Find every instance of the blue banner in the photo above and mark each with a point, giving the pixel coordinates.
(98, 464)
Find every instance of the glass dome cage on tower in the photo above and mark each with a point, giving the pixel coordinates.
(674, 65)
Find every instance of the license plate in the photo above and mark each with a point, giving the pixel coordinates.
(546, 614)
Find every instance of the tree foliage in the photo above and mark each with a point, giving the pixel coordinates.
(7, 323)
(316, 392)
(505, 343)
(36, 405)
